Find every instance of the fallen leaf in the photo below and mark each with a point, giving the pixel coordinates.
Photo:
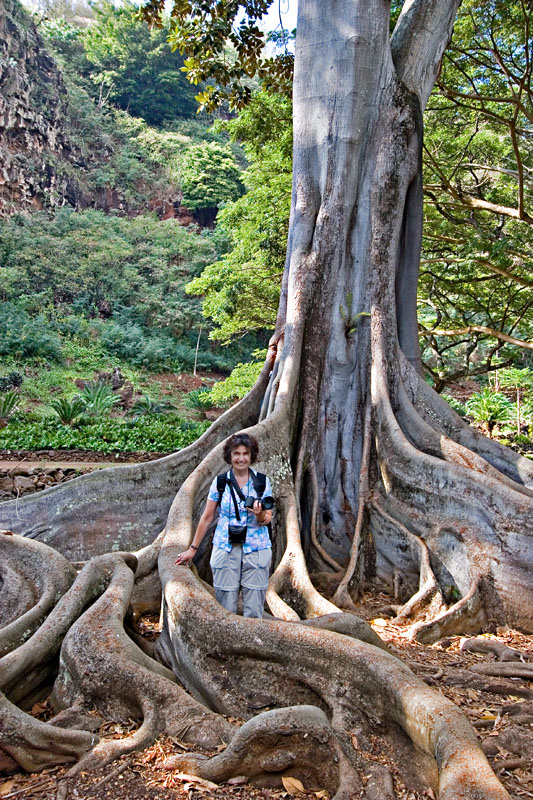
(182, 776)
(321, 794)
(379, 623)
(355, 743)
(6, 788)
(293, 785)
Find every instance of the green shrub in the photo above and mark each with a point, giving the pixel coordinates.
(210, 176)
(239, 383)
(135, 345)
(198, 400)
(457, 406)
(145, 405)
(26, 337)
(11, 381)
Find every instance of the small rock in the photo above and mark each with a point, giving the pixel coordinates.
(23, 483)
(489, 747)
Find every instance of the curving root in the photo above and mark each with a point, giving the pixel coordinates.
(102, 668)
(428, 600)
(291, 742)
(32, 579)
(493, 647)
(291, 594)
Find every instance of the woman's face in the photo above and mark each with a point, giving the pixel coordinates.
(240, 458)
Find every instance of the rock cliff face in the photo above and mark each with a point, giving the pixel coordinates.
(35, 154)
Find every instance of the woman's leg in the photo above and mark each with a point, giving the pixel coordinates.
(226, 568)
(254, 581)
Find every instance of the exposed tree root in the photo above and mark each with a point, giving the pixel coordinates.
(465, 616)
(296, 741)
(34, 745)
(494, 647)
(505, 670)
(328, 560)
(102, 668)
(290, 582)
(352, 582)
(20, 670)
(214, 652)
(428, 600)
(32, 579)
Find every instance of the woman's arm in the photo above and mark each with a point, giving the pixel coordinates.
(205, 521)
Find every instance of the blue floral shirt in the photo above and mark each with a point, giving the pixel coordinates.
(257, 537)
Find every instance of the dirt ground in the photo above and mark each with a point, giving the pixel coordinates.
(501, 710)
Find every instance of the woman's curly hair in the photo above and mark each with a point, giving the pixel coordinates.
(241, 440)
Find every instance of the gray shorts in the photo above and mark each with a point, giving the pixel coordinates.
(235, 569)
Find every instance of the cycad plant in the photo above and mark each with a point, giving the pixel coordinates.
(98, 398)
(489, 408)
(8, 404)
(146, 405)
(68, 411)
(199, 400)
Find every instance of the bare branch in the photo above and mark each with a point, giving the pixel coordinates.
(482, 329)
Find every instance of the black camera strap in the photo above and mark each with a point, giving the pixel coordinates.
(234, 486)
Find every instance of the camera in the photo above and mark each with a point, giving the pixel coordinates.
(266, 502)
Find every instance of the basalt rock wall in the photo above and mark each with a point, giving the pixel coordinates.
(35, 153)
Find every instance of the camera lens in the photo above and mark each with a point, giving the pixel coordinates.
(267, 503)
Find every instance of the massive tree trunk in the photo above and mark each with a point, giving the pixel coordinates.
(374, 475)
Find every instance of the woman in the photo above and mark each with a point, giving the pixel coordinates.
(242, 551)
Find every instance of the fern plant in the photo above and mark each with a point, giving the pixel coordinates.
(489, 408)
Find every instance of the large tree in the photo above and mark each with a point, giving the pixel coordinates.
(374, 475)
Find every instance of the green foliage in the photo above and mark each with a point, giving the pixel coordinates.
(489, 408)
(13, 380)
(198, 400)
(513, 378)
(477, 238)
(239, 382)
(210, 176)
(241, 290)
(113, 278)
(26, 337)
(148, 433)
(8, 404)
(68, 411)
(98, 398)
(457, 406)
(204, 29)
(135, 67)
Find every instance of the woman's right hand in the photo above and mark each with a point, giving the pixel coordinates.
(186, 556)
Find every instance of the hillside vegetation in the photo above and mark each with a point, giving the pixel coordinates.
(95, 291)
